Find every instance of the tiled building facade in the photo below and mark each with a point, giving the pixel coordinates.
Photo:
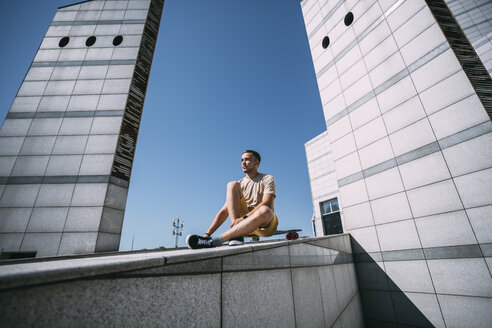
(67, 143)
(407, 104)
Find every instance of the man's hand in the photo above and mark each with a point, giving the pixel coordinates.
(236, 221)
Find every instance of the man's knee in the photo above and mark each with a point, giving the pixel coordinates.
(233, 185)
(265, 211)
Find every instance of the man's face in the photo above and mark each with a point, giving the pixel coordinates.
(248, 162)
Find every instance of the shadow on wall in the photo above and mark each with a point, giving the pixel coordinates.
(383, 303)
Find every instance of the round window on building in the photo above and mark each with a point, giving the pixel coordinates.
(349, 18)
(117, 40)
(326, 42)
(90, 41)
(63, 42)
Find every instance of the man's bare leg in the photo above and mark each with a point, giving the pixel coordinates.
(218, 221)
(262, 217)
(232, 207)
(233, 200)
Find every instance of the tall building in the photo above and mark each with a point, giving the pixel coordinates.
(405, 165)
(68, 141)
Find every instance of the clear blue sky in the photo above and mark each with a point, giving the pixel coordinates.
(227, 76)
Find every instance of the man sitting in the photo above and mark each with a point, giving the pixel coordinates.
(249, 204)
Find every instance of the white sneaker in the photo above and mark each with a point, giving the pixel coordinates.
(236, 241)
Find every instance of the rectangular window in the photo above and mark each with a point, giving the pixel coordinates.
(330, 216)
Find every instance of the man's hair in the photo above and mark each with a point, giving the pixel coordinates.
(255, 154)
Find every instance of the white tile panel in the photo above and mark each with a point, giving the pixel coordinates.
(83, 102)
(364, 113)
(39, 74)
(380, 53)
(88, 87)
(434, 199)
(339, 129)
(404, 114)
(327, 77)
(59, 88)
(366, 238)
(353, 193)
(93, 72)
(32, 88)
(347, 165)
(65, 73)
(334, 106)
(376, 153)
(476, 152)
(72, 54)
(357, 216)
(112, 102)
(330, 92)
(112, 30)
(391, 208)
(65, 16)
(404, 12)
(25, 104)
(446, 229)
(365, 14)
(353, 74)
(387, 69)
(475, 189)
(385, 183)
(396, 94)
(422, 44)
(458, 117)
(99, 54)
(348, 60)
(461, 277)
(75, 125)
(357, 90)
(424, 170)
(398, 235)
(125, 53)
(481, 221)
(446, 92)
(370, 132)
(418, 281)
(343, 146)
(83, 30)
(414, 136)
(436, 70)
(58, 31)
(377, 35)
(413, 27)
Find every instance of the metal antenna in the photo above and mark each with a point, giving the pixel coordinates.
(177, 229)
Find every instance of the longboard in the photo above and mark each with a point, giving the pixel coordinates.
(291, 234)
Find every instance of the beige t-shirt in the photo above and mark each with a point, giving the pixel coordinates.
(253, 189)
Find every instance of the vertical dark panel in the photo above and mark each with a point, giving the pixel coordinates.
(127, 140)
(464, 51)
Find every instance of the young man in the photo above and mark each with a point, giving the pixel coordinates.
(249, 204)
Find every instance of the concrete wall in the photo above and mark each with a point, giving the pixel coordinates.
(411, 135)
(67, 143)
(304, 283)
(322, 176)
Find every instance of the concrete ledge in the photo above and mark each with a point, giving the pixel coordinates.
(274, 284)
(49, 270)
